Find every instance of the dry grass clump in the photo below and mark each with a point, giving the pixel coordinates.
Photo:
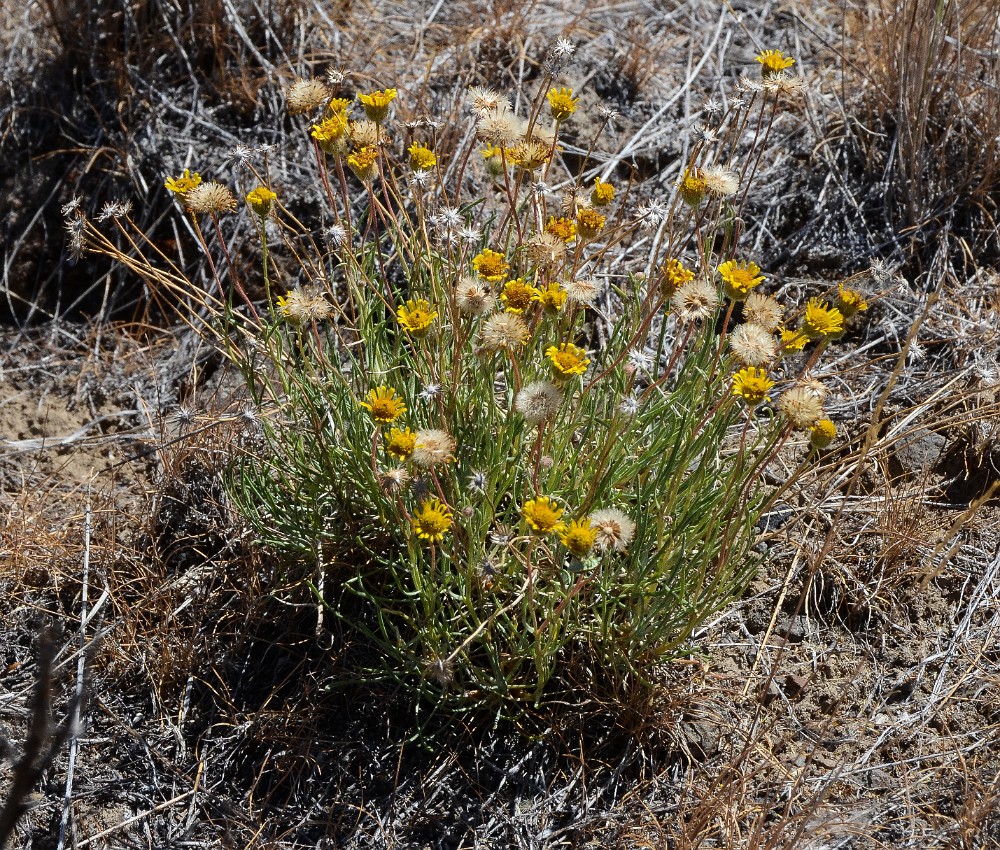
(927, 79)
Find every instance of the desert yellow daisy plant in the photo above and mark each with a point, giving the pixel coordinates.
(518, 458)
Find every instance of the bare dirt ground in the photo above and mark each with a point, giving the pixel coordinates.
(848, 700)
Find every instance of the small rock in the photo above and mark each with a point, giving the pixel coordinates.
(702, 739)
(918, 452)
(795, 629)
(794, 685)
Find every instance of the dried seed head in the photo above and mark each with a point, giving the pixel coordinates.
(530, 155)
(241, 156)
(478, 481)
(470, 233)
(582, 291)
(473, 297)
(210, 198)
(504, 331)
(336, 236)
(573, 201)
(704, 134)
(652, 214)
(815, 386)
(564, 48)
(447, 221)
(538, 401)
(608, 113)
(114, 209)
(696, 300)
(763, 310)
(752, 345)
(502, 535)
(366, 134)
(441, 671)
(306, 95)
(487, 571)
(629, 405)
(801, 407)
(301, 306)
(184, 416)
(788, 85)
(614, 529)
(720, 181)
(545, 249)
(392, 481)
(485, 100)
(498, 127)
(434, 447)
(76, 226)
(429, 392)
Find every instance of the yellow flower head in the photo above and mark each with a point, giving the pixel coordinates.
(530, 155)
(579, 537)
(739, 278)
(552, 298)
(542, 514)
(362, 163)
(562, 104)
(822, 433)
(752, 384)
(564, 228)
(602, 194)
(376, 104)
(421, 158)
(773, 62)
(337, 106)
(185, 183)
(567, 360)
(850, 301)
(692, 187)
(331, 133)
(792, 341)
(822, 321)
(383, 405)
(494, 156)
(517, 295)
(416, 316)
(401, 443)
(589, 222)
(260, 200)
(431, 520)
(490, 265)
(674, 275)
